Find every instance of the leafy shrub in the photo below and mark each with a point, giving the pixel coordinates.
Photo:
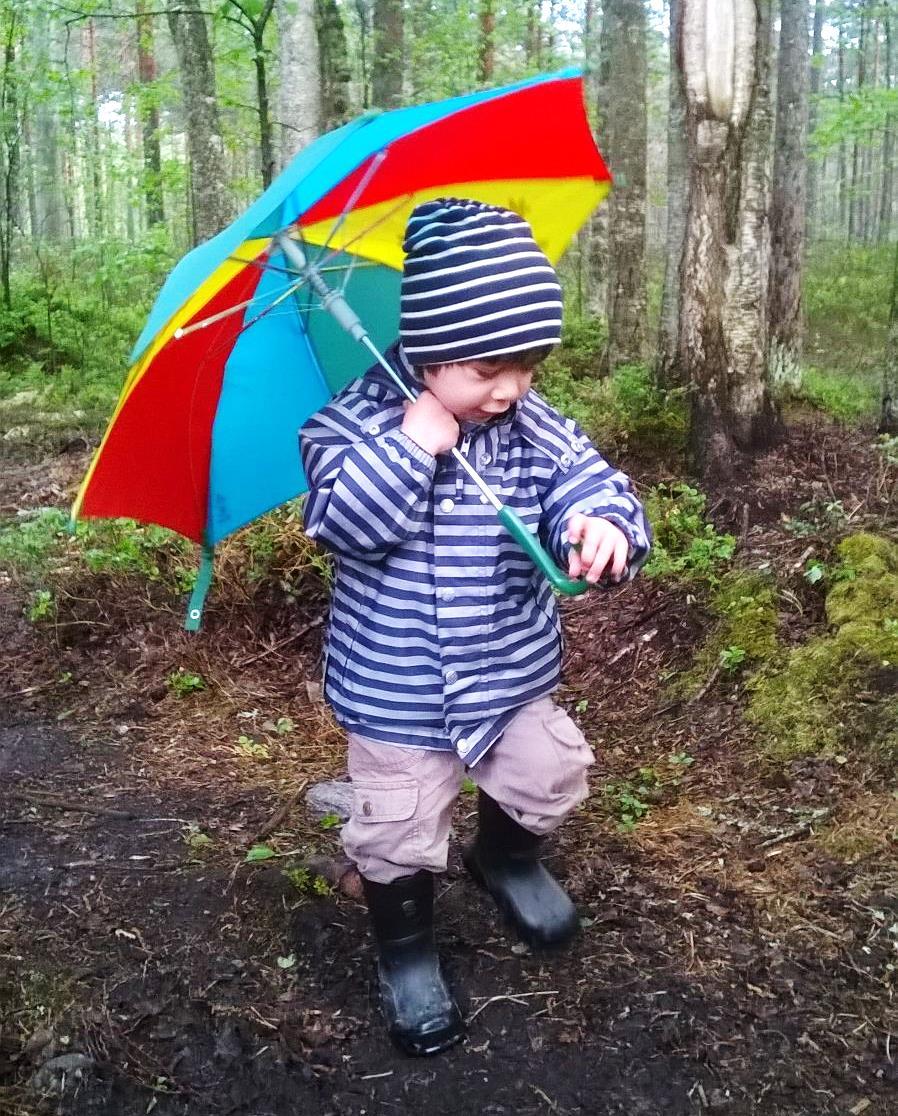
(685, 546)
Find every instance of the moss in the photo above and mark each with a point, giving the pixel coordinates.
(810, 704)
(744, 635)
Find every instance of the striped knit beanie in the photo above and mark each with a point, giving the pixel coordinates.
(475, 284)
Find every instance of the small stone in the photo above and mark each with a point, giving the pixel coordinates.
(331, 797)
(53, 1075)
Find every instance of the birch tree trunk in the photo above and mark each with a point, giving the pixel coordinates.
(487, 52)
(209, 199)
(49, 208)
(677, 195)
(754, 416)
(300, 107)
(625, 137)
(787, 213)
(844, 227)
(387, 63)
(855, 208)
(722, 316)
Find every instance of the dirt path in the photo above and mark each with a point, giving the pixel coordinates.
(730, 961)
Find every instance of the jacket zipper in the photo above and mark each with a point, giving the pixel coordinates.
(459, 472)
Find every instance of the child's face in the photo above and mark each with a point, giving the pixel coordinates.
(477, 391)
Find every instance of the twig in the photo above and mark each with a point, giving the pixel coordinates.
(514, 997)
(283, 643)
(279, 815)
(66, 804)
(712, 678)
(805, 554)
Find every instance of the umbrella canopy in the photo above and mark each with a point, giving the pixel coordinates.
(204, 437)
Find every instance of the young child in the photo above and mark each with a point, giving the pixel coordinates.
(445, 642)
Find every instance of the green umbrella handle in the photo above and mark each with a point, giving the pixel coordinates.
(518, 530)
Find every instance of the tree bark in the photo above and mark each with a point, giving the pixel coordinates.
(596, 249)
(50, 206)
(888, 418)
(844, 227)
(677, 196)
(888, 143)
(787, 213)
(334, 65)
(625, 137)
(210, 201)
(855, 209)
(723, 58)
(387, 64)
(814, 88)
(300, 106)
(149, 117)
(487, 60)
(10, 156)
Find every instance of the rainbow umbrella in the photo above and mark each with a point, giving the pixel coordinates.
(237, 352)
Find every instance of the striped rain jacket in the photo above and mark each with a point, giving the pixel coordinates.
(441, 628)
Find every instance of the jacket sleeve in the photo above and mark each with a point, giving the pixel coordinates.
(368, 490)
(593, 487)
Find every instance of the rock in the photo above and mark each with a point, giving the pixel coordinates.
(53, 1075)
(330, 797)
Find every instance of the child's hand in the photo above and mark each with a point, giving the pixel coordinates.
(428, 423)
(603, 548)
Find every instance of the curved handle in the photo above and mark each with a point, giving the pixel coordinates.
(518, 530)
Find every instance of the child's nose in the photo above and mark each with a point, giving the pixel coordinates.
(505, 389)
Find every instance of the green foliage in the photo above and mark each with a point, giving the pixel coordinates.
(40, 545)
(743, 635)
(625, 799)
(807, 702)
(42, 606)
(686, 546)
(833, 393)
(182, 683)
(250, 748)
(330, 821)
(846, 295)
(626, 412)
(306, 882)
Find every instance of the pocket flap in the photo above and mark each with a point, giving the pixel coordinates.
(384, 802)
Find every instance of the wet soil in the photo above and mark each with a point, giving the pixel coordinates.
(739, 949)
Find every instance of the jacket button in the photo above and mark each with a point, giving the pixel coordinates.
(485, 459)
(375, 430)
(463, 747)
(451, 676)
(447, 505)
(366, 809)
(447, 594)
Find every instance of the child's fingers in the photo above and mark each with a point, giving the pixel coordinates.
(603, 555)
(621, 554)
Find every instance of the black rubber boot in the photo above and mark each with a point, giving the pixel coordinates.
(505, 861)
(421, 1015)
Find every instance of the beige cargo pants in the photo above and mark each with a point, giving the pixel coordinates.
(403, 797)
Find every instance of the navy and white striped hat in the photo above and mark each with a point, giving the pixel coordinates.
(474, 284)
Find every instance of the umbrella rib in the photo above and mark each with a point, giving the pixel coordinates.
(361, 186)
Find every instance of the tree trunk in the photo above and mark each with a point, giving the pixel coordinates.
(888, 419)
(487, 60)
(814, 86)
(843, 149)
(209, 196)
(94, 159)
(266, 146)
(855, 211)
(723, 57)
(787, 212)
(149, 117)
(11, 150)
(334, 65)
(677, 194)
(387, 64)
(888, 144)
(49, 209)
(625, 137)
(596, 233)
(299, 105)
(755, 419)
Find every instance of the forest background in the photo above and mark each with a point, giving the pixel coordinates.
(130, 132)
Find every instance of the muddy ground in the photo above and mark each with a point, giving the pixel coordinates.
(739, 945)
